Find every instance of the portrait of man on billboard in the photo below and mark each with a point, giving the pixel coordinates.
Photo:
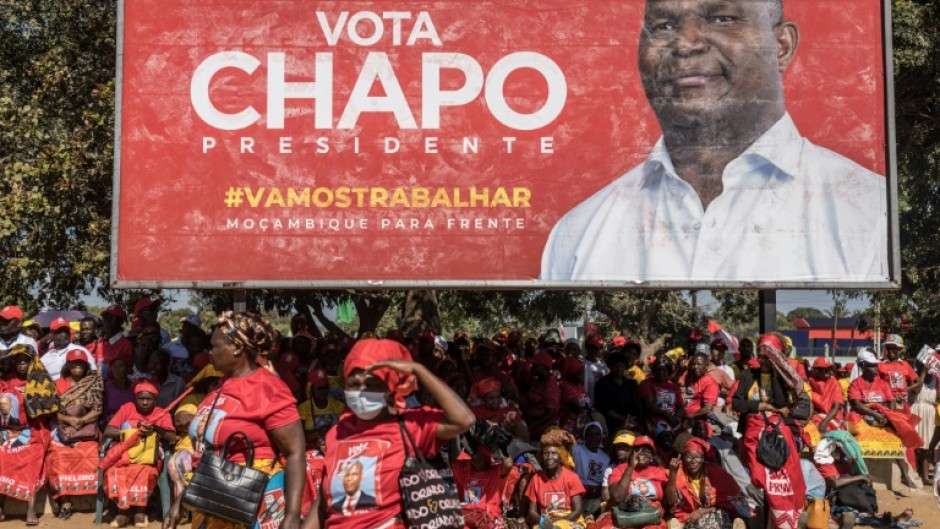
(731, 191)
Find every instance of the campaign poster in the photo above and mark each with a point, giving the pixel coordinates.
(522, 143)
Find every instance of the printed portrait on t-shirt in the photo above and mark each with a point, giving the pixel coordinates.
(11, 429)
(666, 400)
(555, 500)
(643, 488)
(897, 379)
(474, 494)
(354, 486)
(596, 470)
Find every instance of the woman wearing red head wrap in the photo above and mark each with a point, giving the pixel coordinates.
(702, 494)
(133, 478)
(364, 451)
(491, 406)
(765, 395)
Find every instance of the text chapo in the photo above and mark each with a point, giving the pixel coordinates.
(366, 28)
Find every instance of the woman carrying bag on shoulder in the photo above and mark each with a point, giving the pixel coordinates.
(251, 417)
(367, 449)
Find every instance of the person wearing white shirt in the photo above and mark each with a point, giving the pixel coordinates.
(11, 317)
(54, 359)
(731, 191)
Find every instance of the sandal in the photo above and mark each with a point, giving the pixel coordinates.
(65, 512)
(140, 520)
(120, 521)
(32, 519)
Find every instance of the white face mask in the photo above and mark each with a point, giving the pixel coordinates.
(366, 404)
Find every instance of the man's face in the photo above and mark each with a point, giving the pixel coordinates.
(87, 331)
(705, 61)
(60, 338)
(112, 324)
(8, 327)
(351, 478)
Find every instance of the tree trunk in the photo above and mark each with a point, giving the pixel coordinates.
(420, 312)
(370, 311)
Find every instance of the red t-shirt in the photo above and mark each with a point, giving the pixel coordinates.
(704, 390)
(647, 482)
(553, 495)
(899, 375)
(666, 395)
(253, 404)
(373, 452)
(480, 488)
(127, 416)
(878, 391)
(105, 352)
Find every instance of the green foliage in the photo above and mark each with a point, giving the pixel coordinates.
(56, 144)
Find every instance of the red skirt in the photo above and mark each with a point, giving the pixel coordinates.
(131, 485)
(785, 489)
(21, 463)
(72, 470)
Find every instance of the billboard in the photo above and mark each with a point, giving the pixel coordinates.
(523, 143)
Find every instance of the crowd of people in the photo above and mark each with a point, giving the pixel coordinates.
(539, 431)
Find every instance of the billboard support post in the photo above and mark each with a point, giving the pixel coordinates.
(767, 301)
(240, 300)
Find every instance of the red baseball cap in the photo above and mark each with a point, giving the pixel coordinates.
(317, 377)
(542, 358)
(115, 310)
(76, 355)
(59, 323)
(619, 341)
(822, 363)
(11, 312)
(143, 303)
(595, 339)
(643, 441)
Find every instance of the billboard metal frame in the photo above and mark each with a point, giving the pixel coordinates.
(891, 181)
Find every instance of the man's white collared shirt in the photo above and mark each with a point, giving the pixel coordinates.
(54, 359)
(789, 211)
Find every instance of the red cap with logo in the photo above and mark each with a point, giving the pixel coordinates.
(11, 312)
(58, 324)
(317, 377)
(76, 355)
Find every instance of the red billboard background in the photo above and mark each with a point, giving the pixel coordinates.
(177, 202)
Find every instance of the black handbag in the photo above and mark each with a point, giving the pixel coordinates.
(859, 496)
(428, 492)
(801, 410)
(772, 448)
(224, 489)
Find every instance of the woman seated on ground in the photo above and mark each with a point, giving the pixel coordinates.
(590, 460)
(23, 429)
(555, 492)
(494, 408)
(837, 469)
(480, 483)
(131, 481)
(72, 459)
(638, 476)
(701, 495)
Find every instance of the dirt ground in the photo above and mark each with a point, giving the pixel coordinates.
(921, 501)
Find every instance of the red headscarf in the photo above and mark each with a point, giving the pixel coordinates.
(773, 348)
(484, 386)
(145, 386)
(696, 446)
(370, 351)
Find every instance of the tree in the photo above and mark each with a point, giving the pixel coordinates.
(656, 318)
(805, 312)
(56, 141)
